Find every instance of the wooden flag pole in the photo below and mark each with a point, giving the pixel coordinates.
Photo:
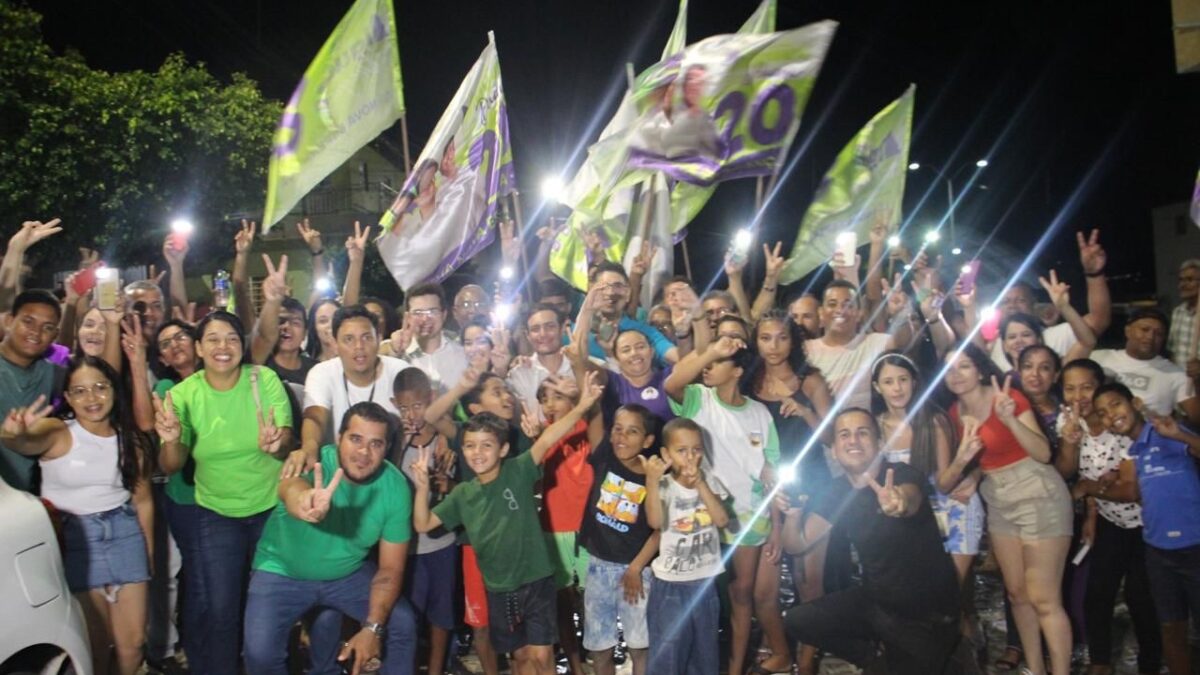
(758, 194)
(687, 262)
(520, 235)
(404, 142)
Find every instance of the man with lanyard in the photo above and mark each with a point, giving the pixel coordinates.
(610, 318)
(314, 552)
(358, 374)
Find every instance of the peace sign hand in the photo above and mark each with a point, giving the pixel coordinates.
(774, 261)
(891, 499)
(1091, 255)
(641, 262)
(33, 231)
(591, 390)
(314, 503)
(311, 237)
(1072, 431)
(269, 435)
(530, 426)
(166, 422)
(132, 342)
(420, 469)
(896, 298)
(1060, 293)
(19, 420)
(356, 244)
(510, 246)
(402, 337)
(971, 444)
(1003, 402)
(274, 285)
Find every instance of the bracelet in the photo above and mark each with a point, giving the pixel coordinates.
(316, 253)
(1093, 275)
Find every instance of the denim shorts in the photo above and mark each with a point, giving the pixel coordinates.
(604, 602)
(104, 549)
(523, 617)
(432, 578)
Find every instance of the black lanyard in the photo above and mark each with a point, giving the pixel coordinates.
(346, 385)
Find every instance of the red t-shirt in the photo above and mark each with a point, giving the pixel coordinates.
(566, 481)
(1000, 446)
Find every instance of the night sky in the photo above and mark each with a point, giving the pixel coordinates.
(1081, 114)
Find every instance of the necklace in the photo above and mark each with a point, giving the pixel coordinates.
(374, 383)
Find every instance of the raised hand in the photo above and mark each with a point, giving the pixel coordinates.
(1072, 430)
(420, 468)
(966, 300)
(269, 435)
(1165, 425)
(402, 337)
(274, 285)
(880, 227)
(971, 445)
(88, 258)
(311, 237)
(892, 501)
(1091, 255)
(185, 314)
(1003, 402)
(931, 300)
(591, 390)
(166, 422)
(734, 264)
(774, 262)
(243, 239)
(530, 426)
(356, 244)
(726, 346)
(133, 343)
(33, 231)
(894, 295)
(691, 475)
(1060, 293)
(470, 378)
(314, 503)
(654, 467)
(19, 420)
(510, 246)
(175, 248)
(641, 262)
(501, 356)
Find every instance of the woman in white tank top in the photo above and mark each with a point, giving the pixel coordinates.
(95, 471)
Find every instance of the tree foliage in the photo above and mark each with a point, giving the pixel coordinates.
(116, 155)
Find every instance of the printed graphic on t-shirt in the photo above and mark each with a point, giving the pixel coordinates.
(619, 503)
(692, 541)
(1135, 381)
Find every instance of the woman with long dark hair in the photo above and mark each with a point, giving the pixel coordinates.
(96, 471)
(1029, 509)
(320, 344)
(920, 434)
(234, 421)
(797, 398)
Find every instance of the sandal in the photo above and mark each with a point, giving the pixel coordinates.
(1007, 662)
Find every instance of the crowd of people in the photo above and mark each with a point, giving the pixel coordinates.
(567, 472)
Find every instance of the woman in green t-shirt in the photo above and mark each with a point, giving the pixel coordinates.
(234, 421)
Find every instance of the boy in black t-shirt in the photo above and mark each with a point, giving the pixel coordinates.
(619, 542)
(909, 599)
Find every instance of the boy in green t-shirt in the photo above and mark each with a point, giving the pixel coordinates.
(498, 511)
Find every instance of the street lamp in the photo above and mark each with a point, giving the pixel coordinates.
(980, 164)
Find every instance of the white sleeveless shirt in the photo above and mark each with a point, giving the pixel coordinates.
(88, 478)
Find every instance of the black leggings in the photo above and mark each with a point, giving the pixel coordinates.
(1118, 554)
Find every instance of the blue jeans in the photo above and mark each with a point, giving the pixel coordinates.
(682, 618)
(276, 602)
(183, 519)
(226, 548)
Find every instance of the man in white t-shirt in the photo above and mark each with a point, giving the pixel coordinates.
(844, 355)
(545, 326)
(1162, 385)
(432, 350)
(1019, 298)
(358, 374)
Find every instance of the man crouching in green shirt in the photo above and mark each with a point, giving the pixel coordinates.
(313, 553)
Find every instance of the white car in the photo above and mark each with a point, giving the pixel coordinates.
(42, 629)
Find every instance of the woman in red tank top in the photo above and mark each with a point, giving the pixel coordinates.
(1029, 508)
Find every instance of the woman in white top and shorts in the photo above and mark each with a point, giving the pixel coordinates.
(95, 471)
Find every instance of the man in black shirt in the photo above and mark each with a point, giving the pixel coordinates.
(908, 601)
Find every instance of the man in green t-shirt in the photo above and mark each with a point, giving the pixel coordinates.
(499, 513)
(314, 548)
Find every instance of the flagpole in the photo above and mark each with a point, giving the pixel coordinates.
(758, 194)
(520, 235)
(687, 262)
(404, 142)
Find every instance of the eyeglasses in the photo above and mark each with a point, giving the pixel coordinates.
(99, 390)
(425, 313)
(179, 338)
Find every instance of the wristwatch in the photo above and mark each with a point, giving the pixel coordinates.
(376, 628)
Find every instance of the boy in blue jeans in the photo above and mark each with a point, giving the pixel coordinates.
(683, 610)
(498, 510)
(1162, 473)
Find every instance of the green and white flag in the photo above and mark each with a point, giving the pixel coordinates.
(867, 178)
(350, 93)
(446, 212)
